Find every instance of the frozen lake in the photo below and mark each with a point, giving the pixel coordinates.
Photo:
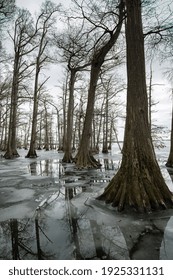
(48, 210)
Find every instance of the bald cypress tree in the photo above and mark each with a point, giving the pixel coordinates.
(138, 183)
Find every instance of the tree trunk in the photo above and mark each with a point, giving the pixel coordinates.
(68, 141)
(105, 127)
(5, 129)
(80, 119)
(46, 136)
(32, 152)
(110, 134)
(74, 135)
(11, 144)
(100, 121)
(40, 133)
(64, 113)
(84, 159)
(59, 132)
(116, 137)
(149, 97)
(138, 183)
(170, 158)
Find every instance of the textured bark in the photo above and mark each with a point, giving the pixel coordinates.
(68, 141)
(44, 24)
(11, 144)
(139, 182)
(83, 158)
(100, 121)
(22, 44)
(32, 152)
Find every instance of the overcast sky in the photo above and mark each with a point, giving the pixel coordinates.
(161, 92)
(31, 5)
(34, 5)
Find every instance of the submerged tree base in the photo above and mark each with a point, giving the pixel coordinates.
(141, 190)
(11, 154)
(68, 158)
(86, 160)
(31, 154)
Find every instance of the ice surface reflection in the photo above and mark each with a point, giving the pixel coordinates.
(54, 168)
(71, 226)
(49, 167)
(166, 252)
(48, 210)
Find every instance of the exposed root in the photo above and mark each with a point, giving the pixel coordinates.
(68, 158)
(140, 192)
(85, 161)
(31, 154)
(11, 154)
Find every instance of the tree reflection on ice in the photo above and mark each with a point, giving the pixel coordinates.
(79, 234)
(66, 222)
(49, 167)
(23, 239)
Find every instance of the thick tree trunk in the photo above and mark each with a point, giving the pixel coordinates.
(84, 159)
(139, 182)
(11, 144)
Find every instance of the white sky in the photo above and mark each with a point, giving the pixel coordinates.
(34, 5)
(161, 93)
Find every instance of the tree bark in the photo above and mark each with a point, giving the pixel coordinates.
(32, 152)
(105, 127)
(46, 137)
(139, 183)
(169, 162)
(11, 144)
(68, 141)
(84, 159)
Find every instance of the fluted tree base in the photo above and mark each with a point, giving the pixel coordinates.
(11, 154)
(31, 154)
(85, 159)
(139, 186)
